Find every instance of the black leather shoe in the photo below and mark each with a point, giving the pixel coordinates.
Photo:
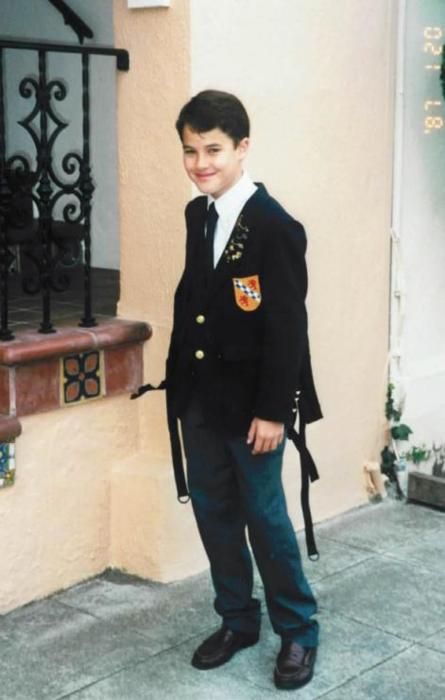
(295, 665)
(220, 647)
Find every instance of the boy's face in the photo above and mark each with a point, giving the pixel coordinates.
(212, 161)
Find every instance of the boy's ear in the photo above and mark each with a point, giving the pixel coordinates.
(243, 146)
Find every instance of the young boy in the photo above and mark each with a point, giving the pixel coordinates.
(238, 354)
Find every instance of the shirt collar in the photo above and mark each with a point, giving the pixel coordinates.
(234, 198)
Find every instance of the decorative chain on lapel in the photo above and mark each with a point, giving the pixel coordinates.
(235, 247)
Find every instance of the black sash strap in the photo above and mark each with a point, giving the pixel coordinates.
(308, 473)
(178, 465)
(175, 442)
(308, 469)
(148, 387)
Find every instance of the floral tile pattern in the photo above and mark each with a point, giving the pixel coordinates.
(82, 377)
(7, 464)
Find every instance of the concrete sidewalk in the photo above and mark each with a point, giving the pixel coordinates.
(381, 589)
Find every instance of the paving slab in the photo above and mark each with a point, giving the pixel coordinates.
(426, 550)
(164, 614)
(415, 674)
(383, 526)
(166, 677)
(437, 641)
(47, 650)
(394, 596)
(334, 557)
(109, 599)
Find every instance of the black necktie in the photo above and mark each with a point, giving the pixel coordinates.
(212, 218)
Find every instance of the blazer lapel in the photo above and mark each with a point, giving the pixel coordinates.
(239, 240)
(197, 223)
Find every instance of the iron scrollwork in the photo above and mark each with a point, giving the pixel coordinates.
(58, 238)
(46, 214)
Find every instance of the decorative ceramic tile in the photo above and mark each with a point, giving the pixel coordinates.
(7, 464)
(82, 377)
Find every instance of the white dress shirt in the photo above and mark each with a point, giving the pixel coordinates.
(229, 207)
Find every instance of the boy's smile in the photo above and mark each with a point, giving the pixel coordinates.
(212, 161)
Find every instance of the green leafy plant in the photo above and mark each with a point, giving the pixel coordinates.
(416, 455)
(401, 432)
(390, 412)
(392, 460)
(389, 464)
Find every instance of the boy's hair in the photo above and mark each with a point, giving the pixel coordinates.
(214, 109)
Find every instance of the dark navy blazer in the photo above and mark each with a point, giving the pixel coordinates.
(241, 333)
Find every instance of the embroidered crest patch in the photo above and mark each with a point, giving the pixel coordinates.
(247, 292)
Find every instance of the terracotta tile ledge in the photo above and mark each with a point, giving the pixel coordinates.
(10, 428)
(29, 346)
(69, 367)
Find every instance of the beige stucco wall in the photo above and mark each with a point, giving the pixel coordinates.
(93, 484)
(55, 519)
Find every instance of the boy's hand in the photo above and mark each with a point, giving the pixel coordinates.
(265, 435)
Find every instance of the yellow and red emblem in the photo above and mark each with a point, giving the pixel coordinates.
(247, 292)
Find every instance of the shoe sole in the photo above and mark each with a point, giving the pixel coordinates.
(208, 665)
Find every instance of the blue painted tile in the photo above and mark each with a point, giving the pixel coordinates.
(7, 464)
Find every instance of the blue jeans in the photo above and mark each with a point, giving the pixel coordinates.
(230, 489)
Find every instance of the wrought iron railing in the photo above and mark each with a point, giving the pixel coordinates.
(47, 246)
